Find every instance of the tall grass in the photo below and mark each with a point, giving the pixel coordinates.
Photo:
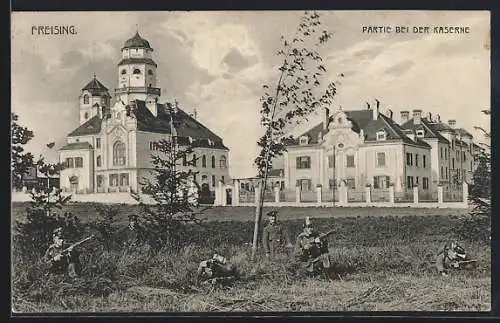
(362, 248)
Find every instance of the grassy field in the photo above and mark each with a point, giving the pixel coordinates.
(88, 212)
(383, 261)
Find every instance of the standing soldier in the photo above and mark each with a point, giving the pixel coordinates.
(132, 232)
(275, 237)
(313, 248)
(62, 257)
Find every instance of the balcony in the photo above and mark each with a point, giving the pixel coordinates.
(138, 89)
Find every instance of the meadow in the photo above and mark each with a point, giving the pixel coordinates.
(383, 261)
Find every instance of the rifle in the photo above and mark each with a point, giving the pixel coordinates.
(326, 234)
(73, 245)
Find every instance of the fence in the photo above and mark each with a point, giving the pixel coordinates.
(346, 197)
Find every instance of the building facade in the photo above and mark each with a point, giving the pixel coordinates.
(357, 148)
(453, 150)
(362, 148)
(111, 149)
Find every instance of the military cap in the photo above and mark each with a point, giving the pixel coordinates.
(273, 213)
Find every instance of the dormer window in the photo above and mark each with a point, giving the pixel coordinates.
(339, 120)
(381, 135)
(304, 140)
(420, 133)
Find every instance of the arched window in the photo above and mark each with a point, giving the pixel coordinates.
(194, 160)
(85, 99)
(119, 153)
(98, 161)
(213, 161)
(223, 162)
(204, 161)
(137, 71)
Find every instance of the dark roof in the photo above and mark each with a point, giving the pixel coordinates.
(363, 119)
(136, 42)
(132, 60)
(186, 127)
(91, 126)
(77, 145)
(95, 87)
(431, 129)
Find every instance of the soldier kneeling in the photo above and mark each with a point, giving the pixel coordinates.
(217, 270)
(451, 256)
(313, 249)
(61, 256)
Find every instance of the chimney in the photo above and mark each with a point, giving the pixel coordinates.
(452, 123)
(390, 113)
(429, 116)
(327, 118)
(152, 106)
(194, 114)
(438, 118)
(375, 111)
(417, 114)
(405, 116)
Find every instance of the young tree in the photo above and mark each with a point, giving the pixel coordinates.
(20, 160)
(295, 96)
(480, 192)
(172, 188)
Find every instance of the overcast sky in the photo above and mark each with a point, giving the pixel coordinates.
(218, 61)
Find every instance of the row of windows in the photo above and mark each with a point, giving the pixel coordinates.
(204, 179)
(412, 181)
(114, 180)
(409, 160)
(76, 162)
(304, 162)
(194, 161)
(445, 153)
(86, 100)
(379, 182)
(137, 72)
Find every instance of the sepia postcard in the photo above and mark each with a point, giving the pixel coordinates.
(250, 161)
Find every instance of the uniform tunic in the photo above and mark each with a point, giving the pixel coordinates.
(312, 252)
(69, 262)
(274, 238)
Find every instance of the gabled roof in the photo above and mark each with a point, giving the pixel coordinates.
(77, 145)
(363, 119)
(431, 129)
(90, 127)
(95, 87)
(463, 132)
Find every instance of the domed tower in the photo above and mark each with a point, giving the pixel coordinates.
(137, 72)
(94, 99)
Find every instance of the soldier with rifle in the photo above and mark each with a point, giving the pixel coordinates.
(217, 270)
(63, 257)
(313, 249)
(452, 256)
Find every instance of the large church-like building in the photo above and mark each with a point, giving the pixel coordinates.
(111, 149)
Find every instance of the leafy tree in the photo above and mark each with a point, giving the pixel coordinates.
(34, 233)
(477, 224)
(20, 160)
(293, 98)
(172, 188)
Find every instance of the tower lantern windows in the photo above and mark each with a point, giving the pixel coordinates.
(124, 71)
(150, 72)
(137, 71)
